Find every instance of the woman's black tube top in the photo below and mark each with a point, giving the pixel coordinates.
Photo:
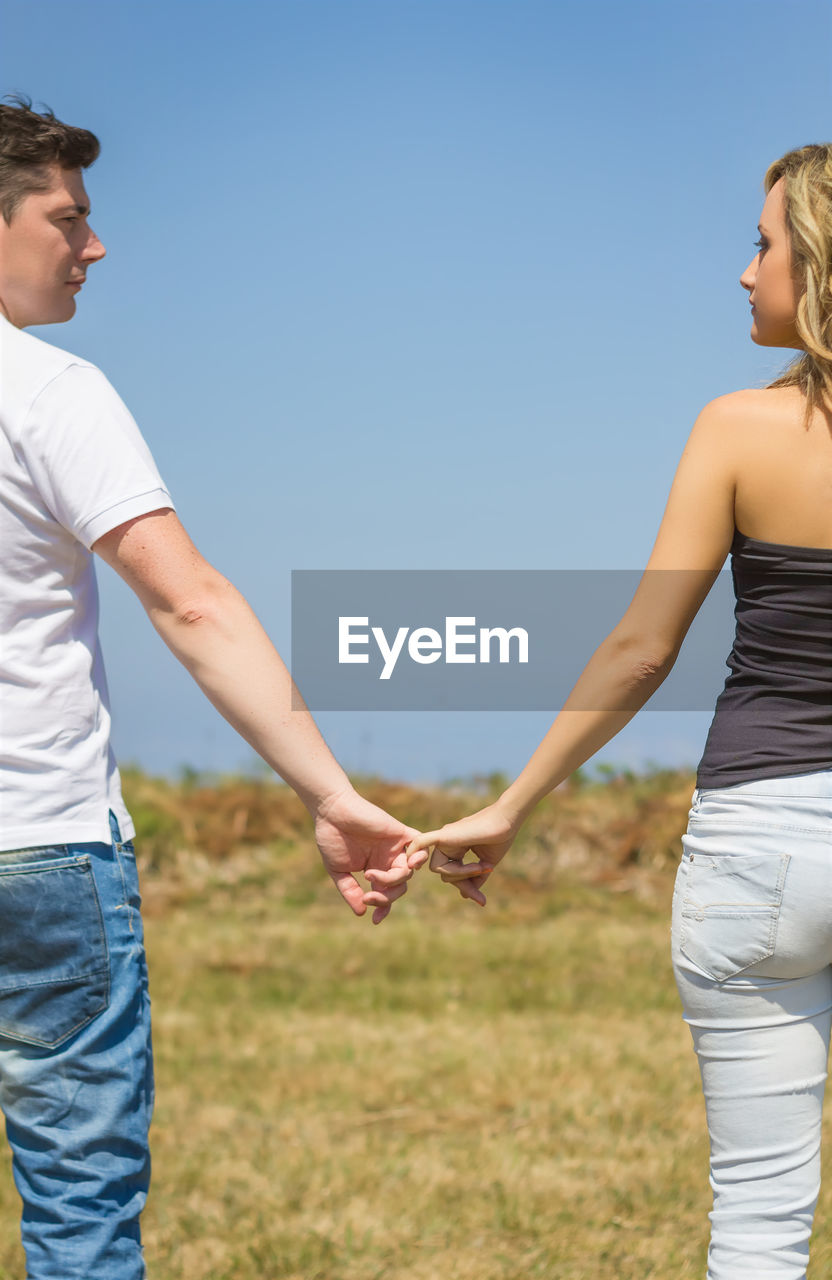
(773, 718)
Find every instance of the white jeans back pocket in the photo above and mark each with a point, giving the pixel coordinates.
(730, 910)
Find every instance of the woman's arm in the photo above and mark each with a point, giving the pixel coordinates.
(693, 541)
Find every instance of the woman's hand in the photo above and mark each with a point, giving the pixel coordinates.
(489, 834)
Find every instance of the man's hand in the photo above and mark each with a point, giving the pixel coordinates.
(489, 834)
(354, 835)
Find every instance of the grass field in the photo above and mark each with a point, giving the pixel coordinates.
(457, 1094)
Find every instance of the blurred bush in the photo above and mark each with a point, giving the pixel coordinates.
(599, 826)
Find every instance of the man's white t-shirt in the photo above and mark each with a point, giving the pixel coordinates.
(73, 466)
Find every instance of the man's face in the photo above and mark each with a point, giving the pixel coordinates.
(45, 252)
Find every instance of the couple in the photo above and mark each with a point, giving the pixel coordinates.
(752, 907)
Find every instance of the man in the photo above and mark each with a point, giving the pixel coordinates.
(76, 477)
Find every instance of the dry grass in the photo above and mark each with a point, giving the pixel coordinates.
(456, 1095)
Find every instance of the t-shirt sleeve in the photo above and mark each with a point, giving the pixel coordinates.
(87, 456)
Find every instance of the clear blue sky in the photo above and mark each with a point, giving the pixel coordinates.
(417, 284)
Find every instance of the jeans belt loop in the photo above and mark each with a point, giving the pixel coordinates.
(115, 830)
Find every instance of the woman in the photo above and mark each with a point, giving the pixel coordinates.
(752, 903)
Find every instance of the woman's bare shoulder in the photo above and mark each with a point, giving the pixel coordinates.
(752, 409)
(752, 401)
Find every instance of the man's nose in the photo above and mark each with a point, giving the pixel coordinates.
(93, 249)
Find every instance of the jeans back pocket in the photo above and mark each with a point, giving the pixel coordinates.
(54, 960)
(730, 910)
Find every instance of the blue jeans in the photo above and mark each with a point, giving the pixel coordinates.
(752, 956)
(76, 1068)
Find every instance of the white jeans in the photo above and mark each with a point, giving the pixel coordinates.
(752, 956)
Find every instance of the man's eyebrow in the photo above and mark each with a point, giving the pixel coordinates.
(82, 209)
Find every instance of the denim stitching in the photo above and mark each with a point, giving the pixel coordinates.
(39, 868)
(56, 982)
(36, 848)
(125, 905)
(119, 846)
(772, 909)
(743, 824)
(83, 861)
(52, 1044)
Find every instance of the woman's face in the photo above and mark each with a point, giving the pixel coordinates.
(773, 290)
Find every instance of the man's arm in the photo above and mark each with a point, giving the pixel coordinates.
(213, 632)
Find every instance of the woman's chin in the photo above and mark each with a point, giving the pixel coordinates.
(760, 337)
(782, 336)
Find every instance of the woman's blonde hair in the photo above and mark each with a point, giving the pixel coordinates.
(807, 188)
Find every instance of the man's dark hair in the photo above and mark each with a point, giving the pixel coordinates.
(29, 143)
